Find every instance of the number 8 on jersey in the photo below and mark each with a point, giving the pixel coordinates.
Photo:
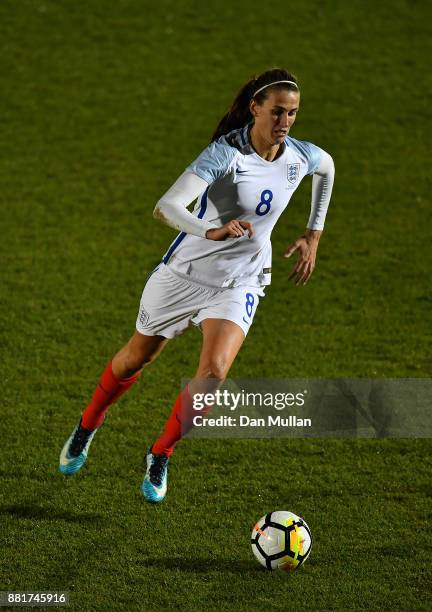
(265, 203)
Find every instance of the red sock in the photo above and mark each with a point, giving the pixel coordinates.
(172, 431)
(178, 423)
(109, 389)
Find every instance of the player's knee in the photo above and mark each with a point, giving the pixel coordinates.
(136, 360)
(215, 367)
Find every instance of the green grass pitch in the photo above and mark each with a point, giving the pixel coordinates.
(102, 106)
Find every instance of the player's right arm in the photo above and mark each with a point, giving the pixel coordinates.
(172, 207)
(232, 229)
(213, 163)
(172, 210)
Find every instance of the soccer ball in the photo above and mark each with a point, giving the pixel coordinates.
(281, 540)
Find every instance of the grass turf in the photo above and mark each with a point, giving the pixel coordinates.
(103, 105)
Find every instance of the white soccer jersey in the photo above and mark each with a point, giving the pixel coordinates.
(244, 186)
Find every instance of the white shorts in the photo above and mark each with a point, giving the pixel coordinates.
(170, 304)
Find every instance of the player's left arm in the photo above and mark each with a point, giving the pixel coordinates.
(307, 244)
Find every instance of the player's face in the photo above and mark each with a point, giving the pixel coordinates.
(275, 116)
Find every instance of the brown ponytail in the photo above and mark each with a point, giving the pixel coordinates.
(239, 113)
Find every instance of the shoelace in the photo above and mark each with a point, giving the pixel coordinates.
(79, 441)
(157, 469)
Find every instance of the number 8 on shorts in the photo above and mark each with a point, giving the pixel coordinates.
(250, 301)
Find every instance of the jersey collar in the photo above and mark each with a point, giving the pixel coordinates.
(247, 144)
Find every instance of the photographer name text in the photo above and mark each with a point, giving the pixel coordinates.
(245, 421)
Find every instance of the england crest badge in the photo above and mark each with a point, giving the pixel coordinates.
(293, 171)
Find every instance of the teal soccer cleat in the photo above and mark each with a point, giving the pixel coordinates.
(74, 452)
(154, 485)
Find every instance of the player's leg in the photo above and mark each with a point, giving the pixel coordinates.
(222, 340)
(119, 375)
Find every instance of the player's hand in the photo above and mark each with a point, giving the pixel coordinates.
(232, 229)
(307, 246)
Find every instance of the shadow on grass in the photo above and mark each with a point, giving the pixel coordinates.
(34, 511)
(202, 565)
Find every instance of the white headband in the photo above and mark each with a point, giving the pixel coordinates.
(275, 83)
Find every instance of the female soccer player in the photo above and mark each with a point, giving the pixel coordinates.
(215, 271)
